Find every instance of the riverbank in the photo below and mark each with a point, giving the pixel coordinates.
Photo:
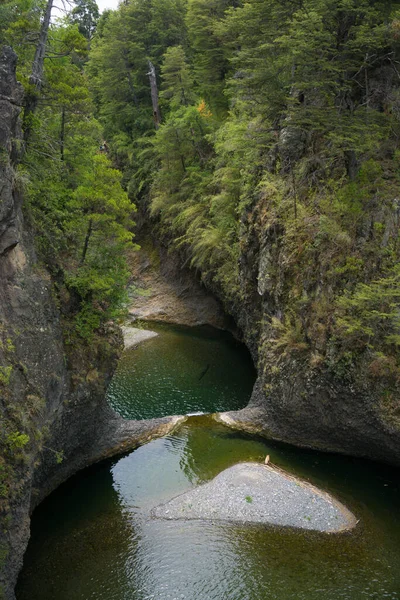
(134, 336)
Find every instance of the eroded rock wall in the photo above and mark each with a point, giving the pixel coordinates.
(54, 418)
(39, 397)
(308, 392)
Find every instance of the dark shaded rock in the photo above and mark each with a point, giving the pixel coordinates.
(307, 393)
(10, 107)
(313, 409)
(164, 291)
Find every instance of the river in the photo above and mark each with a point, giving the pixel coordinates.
(93, 537)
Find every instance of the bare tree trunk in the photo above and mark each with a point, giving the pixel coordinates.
(87, 239)
(36, 77)
(294, 191)
(154, 95)
(352, 165)
(366, 89)
(62, 133)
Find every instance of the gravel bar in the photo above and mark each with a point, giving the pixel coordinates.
(256, 493)
(134, 335)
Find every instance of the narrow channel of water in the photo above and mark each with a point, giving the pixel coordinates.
(93, 538)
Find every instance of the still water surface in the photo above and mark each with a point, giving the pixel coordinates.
(93, 538)
(182, 371)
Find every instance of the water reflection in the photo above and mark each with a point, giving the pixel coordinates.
(94, 539)
(182, 371)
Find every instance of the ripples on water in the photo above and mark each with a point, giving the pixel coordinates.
(93, 538)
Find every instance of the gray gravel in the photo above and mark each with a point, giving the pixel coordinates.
(255, 493)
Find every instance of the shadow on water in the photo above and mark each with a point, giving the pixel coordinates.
(93, 538)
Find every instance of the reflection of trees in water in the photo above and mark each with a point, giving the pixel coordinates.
(180, 444)
(207, 448)
(175, 442)
(82, 539)
(288, 564)
(181, 372)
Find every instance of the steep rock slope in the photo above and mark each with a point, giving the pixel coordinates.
(53, 416)
(313, 389)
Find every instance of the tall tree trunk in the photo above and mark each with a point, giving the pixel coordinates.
(154, 95)
(36, 77)
(62, 133)
(294, 191)
(87, 239)
(352, 165)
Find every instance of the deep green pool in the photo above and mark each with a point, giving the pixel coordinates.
(93, 538)
(181, 371)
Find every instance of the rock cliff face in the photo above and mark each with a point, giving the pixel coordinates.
(328, 401)
(53, 416)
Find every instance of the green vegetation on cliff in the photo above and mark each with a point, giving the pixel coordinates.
(270, 164)
(81, 220)
(275, 168)
(72, 193)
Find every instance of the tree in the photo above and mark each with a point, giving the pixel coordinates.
(211, 56)
(85, 15)
(177, 86)
(32, 94)
(98, 221)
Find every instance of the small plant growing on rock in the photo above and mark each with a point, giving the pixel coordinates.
(16, 440)
(5, 374)
(58, 454)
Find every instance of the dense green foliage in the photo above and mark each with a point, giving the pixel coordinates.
(73, 195)
(280, 120)
(280, 123)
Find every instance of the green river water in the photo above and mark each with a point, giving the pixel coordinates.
(93, 537)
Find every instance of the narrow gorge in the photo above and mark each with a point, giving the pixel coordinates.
(220, 179)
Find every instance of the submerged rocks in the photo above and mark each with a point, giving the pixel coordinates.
(254, 493)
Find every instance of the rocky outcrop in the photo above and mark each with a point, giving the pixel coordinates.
(10, 102)
(164, 291)
(54, 418)
(309, 392)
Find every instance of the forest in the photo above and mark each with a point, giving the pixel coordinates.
(280, 117)
(257, 142)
